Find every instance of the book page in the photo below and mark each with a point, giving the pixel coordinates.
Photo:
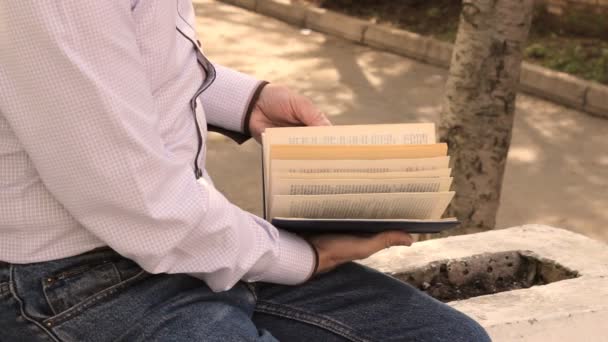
(276, 176)
(359, 166)
(286, 186)
(441, 220)
(384, 134)
(421, 205)
(372, 175)
(346, 152)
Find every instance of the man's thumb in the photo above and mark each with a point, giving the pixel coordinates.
(397, 238)
(319, 119)
(308, 114)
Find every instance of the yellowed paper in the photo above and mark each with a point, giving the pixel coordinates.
(287, 186)
(383, 134)
(359, 166)
(422, 205)
(346, 152)
(372, 175)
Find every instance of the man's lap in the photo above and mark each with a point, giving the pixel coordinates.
(352, 303)
(356, 303)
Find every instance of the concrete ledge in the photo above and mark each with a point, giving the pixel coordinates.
(439, 53)
(398, 41)
(334, 23)
(247, 4)
(568, 310)
(283, 10)
(555, 86)
(597, 100)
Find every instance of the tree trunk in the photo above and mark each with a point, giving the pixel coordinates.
(479, 105)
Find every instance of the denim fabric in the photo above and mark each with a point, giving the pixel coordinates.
(101, 296)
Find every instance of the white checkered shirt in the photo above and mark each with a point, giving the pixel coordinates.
(98, 141)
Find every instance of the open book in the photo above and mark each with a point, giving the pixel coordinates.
(364, 178)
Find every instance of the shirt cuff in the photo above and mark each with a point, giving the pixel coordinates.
(236, 136)
(228, 99)
(295, 264)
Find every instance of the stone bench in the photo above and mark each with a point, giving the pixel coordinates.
(528, 283)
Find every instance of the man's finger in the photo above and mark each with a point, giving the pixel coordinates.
(396, 238)
(378, 242)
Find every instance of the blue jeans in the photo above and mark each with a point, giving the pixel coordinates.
(101, 296)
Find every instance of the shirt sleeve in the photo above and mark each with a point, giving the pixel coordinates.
(229, 98)
(75, 93)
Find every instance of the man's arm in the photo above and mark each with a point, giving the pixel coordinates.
(75, 93)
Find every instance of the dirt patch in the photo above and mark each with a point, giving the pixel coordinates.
(438, 18)
(576, 42)
(485, 274)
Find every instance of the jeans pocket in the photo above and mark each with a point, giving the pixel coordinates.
(5, 290)
(70, 287)
(75, 291)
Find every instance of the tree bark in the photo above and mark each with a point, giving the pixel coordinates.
(479, 104)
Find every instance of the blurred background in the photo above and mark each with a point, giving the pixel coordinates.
(566, 35)
(557, 165)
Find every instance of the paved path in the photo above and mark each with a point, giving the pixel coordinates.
(557, 172)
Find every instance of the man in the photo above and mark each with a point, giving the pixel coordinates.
(105, 232)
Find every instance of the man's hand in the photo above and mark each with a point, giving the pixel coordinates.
(278, 106)
(334, 250)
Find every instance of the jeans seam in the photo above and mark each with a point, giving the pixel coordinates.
(320, 321)
(13, 290)
(46, 299)
(87, 303)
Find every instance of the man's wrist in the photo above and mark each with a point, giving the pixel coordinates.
(315, 269)
(252, 103)
(295, 263)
